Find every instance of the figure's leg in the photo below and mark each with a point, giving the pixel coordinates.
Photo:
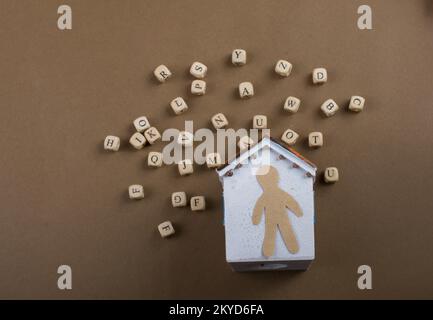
(269, 241)
(288, 234)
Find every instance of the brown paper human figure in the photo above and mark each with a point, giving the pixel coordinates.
(273, 204)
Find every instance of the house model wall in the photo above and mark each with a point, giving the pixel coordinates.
(244, 240)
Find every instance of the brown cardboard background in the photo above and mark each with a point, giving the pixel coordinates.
(64, 200)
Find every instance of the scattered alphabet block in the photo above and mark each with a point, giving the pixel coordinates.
(329, 107)
(141, 124)
(137, 140)
(162, 73)
(260, 122)
(178, 105)
(239, 57)
(245, 142)
(246, 90)
(356, 103)
(198, 87)
(219, 121)
(111, 143)
(331, 175)
(315, 140)
(290, 137)
(154, 159)
(213, 160)
(166, 229)
(198, 70)
(152, 135)
(136, 192)
(198, 203)
(185, 138)
(283, 68)
(185, 167)
(320, 75)
(292, 104)
(178, 199)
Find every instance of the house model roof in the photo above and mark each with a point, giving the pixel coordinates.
(275, 145)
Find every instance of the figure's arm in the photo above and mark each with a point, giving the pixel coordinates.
(258, 211)
(293, 205)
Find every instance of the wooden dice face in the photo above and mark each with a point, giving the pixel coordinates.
(315, 139)
(283, 68)
(198, 70)
(141, 124)
(356, 103)
(260, 122)
(198, 87)
(213, 160)
(329, 107)
(292, 104)
(162, 73)
(152, 135)
(112, 143)
(219, 121)
(239, 57)
(136, 192)
(166, 229)
(178, 105)
(246, 90)
(331, 175)
(245, 142)
(320, 75)
(178, 199)
(154, 159)
(185, 138)
(185, 167)
(290, 137)
(137, 140)
(198, 203)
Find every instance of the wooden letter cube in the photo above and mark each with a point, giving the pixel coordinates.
(213, 160)
(246, 90)
(239, 57)
(260, 122)
(136, 192)
(356, 103)
(166, 229)
(137, 140)
(141, 124)
(198, 70)
(178, 105)
(320, 76)
(178, 199)
(283, 68)
(185, 167)
(245, 142)
(315, 139)
(198, 87)
(152, 135)
(154, 159)
(329, 107)
(198, 203)
(219, 121)
(331, 175)
(292, 104)
(162, 73)
(290, 137)
(112, 143)
(185, 138)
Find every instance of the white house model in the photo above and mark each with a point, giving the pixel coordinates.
(269, 208)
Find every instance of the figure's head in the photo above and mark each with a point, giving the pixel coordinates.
(267, 176)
